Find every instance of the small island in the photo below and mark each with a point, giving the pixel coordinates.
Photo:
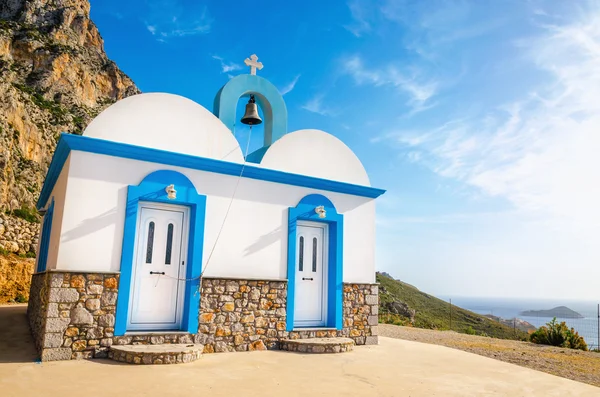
(559, 312)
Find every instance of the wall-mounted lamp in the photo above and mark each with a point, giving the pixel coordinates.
(171, 192)
(321, 211)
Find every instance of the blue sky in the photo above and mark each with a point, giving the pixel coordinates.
(480, 118)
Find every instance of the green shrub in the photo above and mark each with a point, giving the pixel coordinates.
(558, 334)
(29, 214)
(470, 331)
(388, 318)
(30, 255)
(20, 298)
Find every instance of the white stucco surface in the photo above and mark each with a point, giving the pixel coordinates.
(253, 243)
(315, 153)
(166, 122)
(58, 194)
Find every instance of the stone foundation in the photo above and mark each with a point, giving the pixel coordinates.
(72, 316)
(240, 315)
(156, 354)
(37, 309)
(317, 345)
(360, 317)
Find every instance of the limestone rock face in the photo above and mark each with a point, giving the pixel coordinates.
(54, 77)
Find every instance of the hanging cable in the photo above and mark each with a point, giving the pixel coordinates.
(237, 184)
(224, 218)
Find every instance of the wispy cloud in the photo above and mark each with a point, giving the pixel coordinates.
(359, 12)
(227, 67)
(540, 151)
(315, 105)
(418, 88)
(169, 19)
(434, 28)
(290, 86)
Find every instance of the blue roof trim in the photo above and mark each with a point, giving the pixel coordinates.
(70, 142)
(61, 153)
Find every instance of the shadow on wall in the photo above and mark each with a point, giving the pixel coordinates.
(217, 185)
(92, 225)
(274, 236)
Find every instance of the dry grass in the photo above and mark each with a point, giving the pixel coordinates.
(567, 363)
(15, 278)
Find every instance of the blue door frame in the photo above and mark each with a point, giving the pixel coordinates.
(152, 189)
(305, 211)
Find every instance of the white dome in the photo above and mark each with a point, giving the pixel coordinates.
(315, 153)
(166, 122)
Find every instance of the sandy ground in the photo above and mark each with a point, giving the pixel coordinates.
(393, 368)
(567, 363)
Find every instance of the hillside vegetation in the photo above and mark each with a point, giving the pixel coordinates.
(403, 304)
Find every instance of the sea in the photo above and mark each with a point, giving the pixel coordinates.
(509, 308)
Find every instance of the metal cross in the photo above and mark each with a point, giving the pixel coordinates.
(252, 62)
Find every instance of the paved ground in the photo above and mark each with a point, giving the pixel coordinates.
(572, 364)
(393, 368)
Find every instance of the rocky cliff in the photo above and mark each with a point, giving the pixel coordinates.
(54, 77)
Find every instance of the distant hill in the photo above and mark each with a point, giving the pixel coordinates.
(560, 312)
(403, 304)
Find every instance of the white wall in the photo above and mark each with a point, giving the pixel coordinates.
(58, 195)
(253, 243)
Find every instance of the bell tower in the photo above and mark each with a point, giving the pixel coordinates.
(261, 92)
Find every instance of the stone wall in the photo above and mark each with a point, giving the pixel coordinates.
(240, 315)
(79, 314)
(17, 235)
(360, 316)
(72, 316)
(37, 309)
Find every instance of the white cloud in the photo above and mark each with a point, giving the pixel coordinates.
(359, 13)
(168, 19)
(227, 67)
(541, 151)
(315, 105)
(419, 89)
(290, 86)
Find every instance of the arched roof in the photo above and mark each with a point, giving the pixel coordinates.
(166, 122)
(315, 153)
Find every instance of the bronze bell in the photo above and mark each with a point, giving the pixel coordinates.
(251, 116)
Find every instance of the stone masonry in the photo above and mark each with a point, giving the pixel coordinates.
(72, 316)
(360, 316)
(241, 315)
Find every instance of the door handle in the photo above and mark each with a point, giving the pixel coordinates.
(307, 278)
(163, 273)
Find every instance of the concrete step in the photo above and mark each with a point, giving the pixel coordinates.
(317, 345)
(156, 354)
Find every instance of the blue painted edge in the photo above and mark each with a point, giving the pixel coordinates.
(70, 142)
(42, 258)
(267, 97)
(305, 211)
(60, 156)
(152, 189)
(257, 156)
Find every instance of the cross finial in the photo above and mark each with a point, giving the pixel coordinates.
(253, 63)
